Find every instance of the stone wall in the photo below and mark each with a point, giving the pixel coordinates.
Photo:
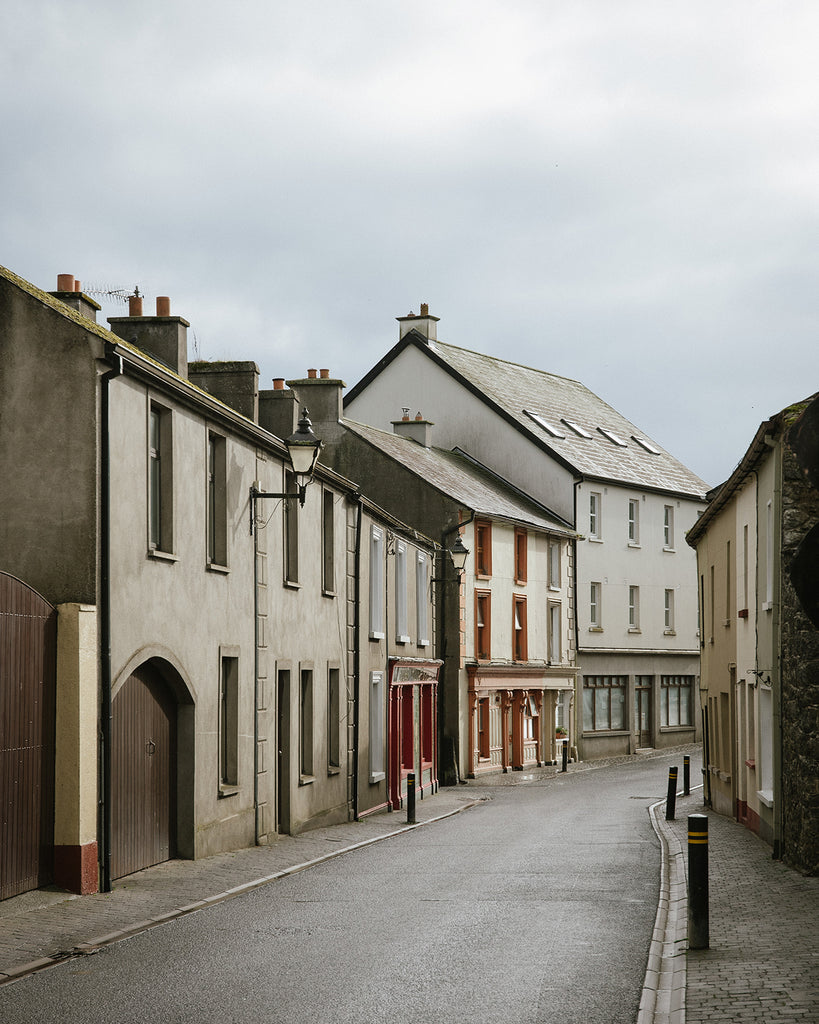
(799, 657)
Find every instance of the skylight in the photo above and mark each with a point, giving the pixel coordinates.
(612, 437)
(580, 431)
(552, 431)
(645, 444)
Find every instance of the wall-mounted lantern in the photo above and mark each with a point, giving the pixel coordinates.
(303, 449)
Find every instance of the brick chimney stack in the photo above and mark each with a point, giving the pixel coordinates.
(417, 429)
(163, 337)
(70, 292)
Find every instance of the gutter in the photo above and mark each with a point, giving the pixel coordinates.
(106, 703)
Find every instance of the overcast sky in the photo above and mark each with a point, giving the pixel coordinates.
(619, 191)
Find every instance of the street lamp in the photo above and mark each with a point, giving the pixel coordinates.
(303, 449)
(459, 553)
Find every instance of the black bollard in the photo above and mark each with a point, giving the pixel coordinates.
(411, 799)
(671, 798)
(565, 756)
(698, 937)
(686, 775)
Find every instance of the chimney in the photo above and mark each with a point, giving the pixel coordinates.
(163, 337)
(322, 395)
(418, 429)
(422, 322)
(70, 292)
(236, 383)
(278, 409)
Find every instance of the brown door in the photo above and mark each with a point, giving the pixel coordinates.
(28, 642)
(642, 714)
(143, 774)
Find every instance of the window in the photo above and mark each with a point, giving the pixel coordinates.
(634, 608)
(576, 428)
(160, 480)
(594, 516)
(675, 700)
(521, 640)
(291, 529)
(604, 703)
(333, 718)
(554, 564)
(728, 601)
(745, 569)
(421, 590)
(483, 548)
(328, 542)
(483, 625)
(217, 500)
(613, 437)
(376, 583)
(376, 726)
(711, 608)
(595, 609)
(306, 724)
(646, 445)
(521, 545)
(562, 710)
(483, 728)
(228, 721)
(531, 716)
(633, 521)
(769, 557)
(555, 618)
(401, 627)
(668, 527)
(669, 612)
(541, 422)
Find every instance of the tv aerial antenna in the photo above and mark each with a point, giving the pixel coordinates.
(118, 295)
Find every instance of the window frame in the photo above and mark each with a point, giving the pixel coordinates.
(328, 543)
(290, 525)
(555, 630)
(634, 522)
(483, 548)
(520, 631)
(674, 684)
(483, 633)
(668, 612)
(555, 559)
(668, 528)
(595, 515)
(609, 684)
(333, 719)
(376, 589)
(217, 532)
(160, 479)
(521, 555)
(595, 606)
(401, 595)
(633, 608)
(377, 770)
(306, 724)
(228, 721)
(421, 604)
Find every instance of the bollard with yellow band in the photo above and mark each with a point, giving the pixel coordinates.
(411, 799)
(698, 937)
(671, 796)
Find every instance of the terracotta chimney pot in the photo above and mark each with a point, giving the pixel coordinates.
(424, 309)
(324, 374)
(163, 305)
(65, 282)
(77, 286)
(134, 305)
(311, 374)
(278, 383)
(418, 416)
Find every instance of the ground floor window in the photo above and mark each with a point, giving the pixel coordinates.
(675, 700)
(604, 703)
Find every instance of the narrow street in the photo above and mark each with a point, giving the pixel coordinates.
(536, 905)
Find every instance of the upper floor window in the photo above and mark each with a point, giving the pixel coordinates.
(483, 625)
(217, 500)
(521, 544)
(554, 564)
(669, 611)
(521, 636)
(421, 591)
(376, 583)
(668, 526)
(633, 521)
(769, 557)
(555, 618)
(333, 718)
(328, 543)
(160, 479)
(401, 627)
(483, 548)
(291, 529)
(595, 525)
(595, 606)
(634, 608)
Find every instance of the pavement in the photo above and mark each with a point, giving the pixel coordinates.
(762, 964)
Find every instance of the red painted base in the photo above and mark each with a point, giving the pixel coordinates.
(75, 868)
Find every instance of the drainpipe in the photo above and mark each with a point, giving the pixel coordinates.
(105, 613)
(444, 651)
(356, 653)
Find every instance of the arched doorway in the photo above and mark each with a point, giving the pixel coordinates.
(143, 773)
(28, 645)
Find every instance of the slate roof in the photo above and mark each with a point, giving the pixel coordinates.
(461, 479)
(525, 393)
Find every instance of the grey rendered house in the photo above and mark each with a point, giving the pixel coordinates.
(506, 631)
(629, 500)
(150, 598)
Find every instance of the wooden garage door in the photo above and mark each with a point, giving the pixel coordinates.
(28, 643)
(143, 770)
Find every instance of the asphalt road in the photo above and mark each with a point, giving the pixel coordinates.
(536, 905)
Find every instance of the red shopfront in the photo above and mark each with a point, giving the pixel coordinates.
(412, 728)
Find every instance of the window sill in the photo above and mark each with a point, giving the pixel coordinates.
(765, 797)
(291, 584)
(767, 606)
(605, 732)
(554, 588)
(750, 763)
(676, 728)
(634, 629)
(377, 777)
(328, 593)
(595, 540)
(671, 551)
(633, 544)
(402, 639)
(306, 780)
(222, 570)
(226, 791)
(162, 556)
(483, 576)
(669, 632)
(727, 623)
(334, 769)
(519, 582)
(375, 637)
(595, 629)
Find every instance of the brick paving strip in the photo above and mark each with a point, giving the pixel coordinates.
(763, 960)
(45, 927)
